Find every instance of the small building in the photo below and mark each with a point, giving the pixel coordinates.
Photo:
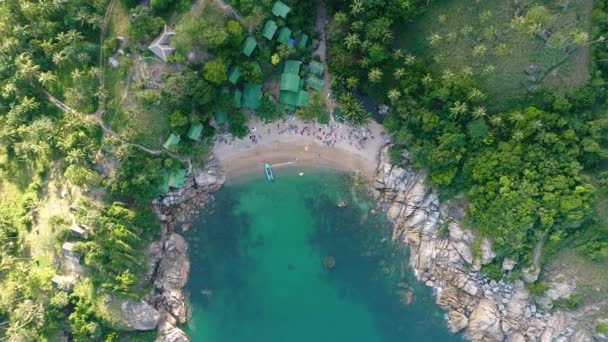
(270, 28)
(314, 82)
(249, 45)
(280, 9)
(195, 131)
(234, 74)
(293, 100)
(316, 68)
(177, 178)
(302, 41)
(68, 249)
(252, 95)
(160, 46)
(289, 82)
(292, 67)
(171, 142)
(78, 230)
(284, 35)
(220, 117)
(238, 98)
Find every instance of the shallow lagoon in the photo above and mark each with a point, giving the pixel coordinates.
(281, 261)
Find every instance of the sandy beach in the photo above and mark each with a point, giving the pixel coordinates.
(294, 143)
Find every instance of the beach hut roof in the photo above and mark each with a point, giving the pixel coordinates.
(316, 68)
(252, 94)
(234, 74)
(249, 45)
(290, 82)
(292, 67)
(195, 132)
(177, 178)
(172, 141)
(238, 98)
(280, 9)
(302, 100)
(314, 82)
(220, 116)
(160, 46)
(302, 41)
(283, 35)
(270, 28)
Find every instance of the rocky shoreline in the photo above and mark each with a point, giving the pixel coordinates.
(441, 257)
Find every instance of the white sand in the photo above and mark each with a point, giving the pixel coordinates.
(295, 143)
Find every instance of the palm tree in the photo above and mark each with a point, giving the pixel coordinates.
(375, 75)
(60, 58)
(351, 41)
(353, 109)
(394, 95)
(397, 54)
(479, 50)
(399, 72)
(518, 135)
(427, 80)
(458, 109)
(447, 74)
(434, 39)
(364, 62)
(352, 82)
(496, 121)
(410, 59)
(479, 112)
(46, 78)
(75, 156)
(475, 94)
(356, 6)
(28, 104)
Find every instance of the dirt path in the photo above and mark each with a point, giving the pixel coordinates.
(97, 116)
(102, 37)
(321, 19)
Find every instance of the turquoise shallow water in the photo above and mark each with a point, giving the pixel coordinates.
(262, 258)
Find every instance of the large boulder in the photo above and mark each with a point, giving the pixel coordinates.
(484, 323)
(168, 332)
(457, 321)
(172, 275)
(139, 315)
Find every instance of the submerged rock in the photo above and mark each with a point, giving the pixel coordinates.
(329, 262)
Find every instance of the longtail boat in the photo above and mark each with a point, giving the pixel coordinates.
(268, 172)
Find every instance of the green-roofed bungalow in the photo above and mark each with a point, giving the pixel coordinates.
(283, 35)
(234, 74)
(220, 116)
(280, 9)
(252, 94)
(270, 28)
(171, 142)
(195, 131)
(290, 82)
(314, 82)
(302, 41)
(249, 45)
(289, 99)
(302, 99)
(316, 68)
(292, 67)
(238, 98)
(177, 178)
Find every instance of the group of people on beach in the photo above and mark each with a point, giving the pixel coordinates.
(329, 134)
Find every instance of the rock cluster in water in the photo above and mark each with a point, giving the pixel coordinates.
(484, 309)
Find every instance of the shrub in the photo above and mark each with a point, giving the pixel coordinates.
(537, 289)
(493, 271)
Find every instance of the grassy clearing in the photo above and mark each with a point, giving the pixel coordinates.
(480, 38)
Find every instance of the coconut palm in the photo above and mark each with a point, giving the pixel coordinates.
(518, 135)
(479, 50)
(447, 74)
(374, 75)
(351, 41)
(458, 108)
(397, 54)
(496, 121)
(46, 78)
(410, 59)
(427, 80)
(399, 72)
(352, 82)
(475, 95)
(394, 95)
(479, 112)
(434, 39)
(356, 7)
(353, 109)
(60, 58)
(364, 62)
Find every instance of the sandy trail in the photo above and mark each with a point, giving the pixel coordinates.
(294, 143)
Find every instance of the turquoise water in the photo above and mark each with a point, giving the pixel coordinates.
(282, 262)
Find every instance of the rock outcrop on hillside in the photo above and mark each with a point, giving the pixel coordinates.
(167, 258)
(442, 258)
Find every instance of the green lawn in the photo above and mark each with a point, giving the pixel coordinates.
(461, 37)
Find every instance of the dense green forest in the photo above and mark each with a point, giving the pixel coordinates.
(531, 166)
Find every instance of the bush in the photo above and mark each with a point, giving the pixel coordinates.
(570, 303)
(537, 289)
(493, 271)
(143, 25)
(602, 328)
